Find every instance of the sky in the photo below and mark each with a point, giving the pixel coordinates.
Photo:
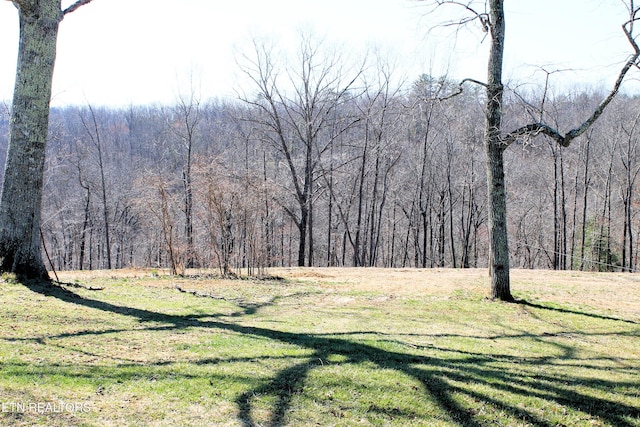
(123, 52)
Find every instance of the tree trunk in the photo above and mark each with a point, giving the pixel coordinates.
(441, 215)
(556, 226)
(105, 205)
(497, 224)
(585, 199)
(85, 226)
(310, 243)
(563, 212)
(574, 219)
(20, 202)
(358, 257)
(302, 229)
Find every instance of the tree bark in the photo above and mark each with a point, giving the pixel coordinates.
(21, 198)
(497, 224)
(20, 202)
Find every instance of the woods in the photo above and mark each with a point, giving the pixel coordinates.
(394, 178)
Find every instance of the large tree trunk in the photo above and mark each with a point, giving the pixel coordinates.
(20, 202)
(497, 223)
(499, 245)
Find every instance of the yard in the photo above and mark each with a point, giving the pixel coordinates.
(320, 346)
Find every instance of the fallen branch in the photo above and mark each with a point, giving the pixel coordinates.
(77, 285)
(200, 294)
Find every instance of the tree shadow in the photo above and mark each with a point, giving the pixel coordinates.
(569, 311)
(442, 379)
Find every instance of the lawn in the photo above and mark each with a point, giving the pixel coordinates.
(325, 347)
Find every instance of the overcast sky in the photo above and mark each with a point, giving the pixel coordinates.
(121, 52)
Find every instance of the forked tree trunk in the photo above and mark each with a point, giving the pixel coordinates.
(20, 202)
(499, 245)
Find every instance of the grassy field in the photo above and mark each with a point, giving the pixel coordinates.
(325, 347)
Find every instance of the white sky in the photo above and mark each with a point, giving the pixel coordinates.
(120, 52)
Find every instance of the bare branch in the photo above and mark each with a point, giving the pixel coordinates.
(535, 129)
(482, 17)
(460, 88)
(75, 6)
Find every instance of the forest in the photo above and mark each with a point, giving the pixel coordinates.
(317, 165)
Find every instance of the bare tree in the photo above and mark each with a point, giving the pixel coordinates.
(378, 156)
(631, 170)
(21, 199)
(497, 141)
(188, 115)
(94, 135)
(292, 114)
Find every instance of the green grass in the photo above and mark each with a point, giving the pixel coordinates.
(260, 353)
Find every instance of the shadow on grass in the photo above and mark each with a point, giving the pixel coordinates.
(569, 311)
(443, 380)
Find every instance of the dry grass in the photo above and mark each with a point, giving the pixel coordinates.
(615, 293)
(609, 292)
(325, 346)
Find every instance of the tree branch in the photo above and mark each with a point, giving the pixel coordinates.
(460, 89)
(482, 17)
(535, 129)
(75, 6)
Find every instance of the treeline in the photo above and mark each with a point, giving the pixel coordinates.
(325, 170)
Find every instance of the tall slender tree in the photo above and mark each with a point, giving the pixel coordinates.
(20, 202)
(496, 141)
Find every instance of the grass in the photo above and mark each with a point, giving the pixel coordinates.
(321, 347)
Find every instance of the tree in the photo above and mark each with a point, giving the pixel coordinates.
(631, 170)
(496, 141)
(94, 136)
(21, 198)
(187, 116)
(379, 154)
(293, 114)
